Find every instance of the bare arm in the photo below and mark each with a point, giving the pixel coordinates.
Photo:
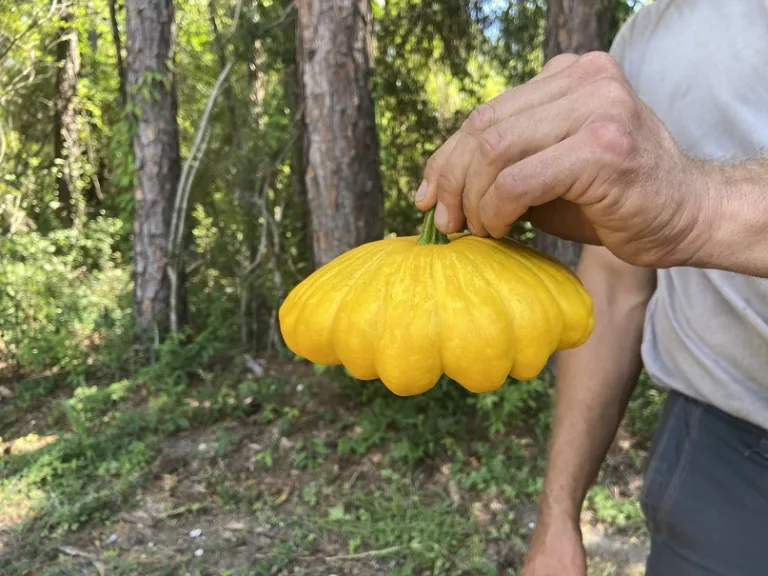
(732, 223)
(593, 387)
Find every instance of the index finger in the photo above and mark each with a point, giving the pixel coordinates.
(455, 202)
(426, 195)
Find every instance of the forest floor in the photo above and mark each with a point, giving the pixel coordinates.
(293, 472)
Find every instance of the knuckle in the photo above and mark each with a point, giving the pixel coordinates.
(481, 118)
(471, 209)
(611, 137)
(446, 183)
(598, 63)
(614, 93)
(491, 221)
(471, 212)
(511, 183)
(486, 213)
(492, 144)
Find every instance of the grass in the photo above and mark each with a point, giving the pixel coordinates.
(302, 468)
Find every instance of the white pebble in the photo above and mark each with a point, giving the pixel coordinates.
(195, 533)
(199, 552)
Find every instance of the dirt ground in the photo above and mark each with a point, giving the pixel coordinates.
(245, 497)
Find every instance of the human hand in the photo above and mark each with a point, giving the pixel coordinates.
(577, 153)
(556, 550)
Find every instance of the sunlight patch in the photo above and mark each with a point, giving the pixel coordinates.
(27, 444)
(18, 502)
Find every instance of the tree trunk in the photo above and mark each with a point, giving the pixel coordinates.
(66, 125)
(575, 27)
(118, 51)
(151, 86)
(343, 177)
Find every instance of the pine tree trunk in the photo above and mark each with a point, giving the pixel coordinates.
(573, 26)
(343, 177)
(576, 27)
(151, 86)
(66, 126)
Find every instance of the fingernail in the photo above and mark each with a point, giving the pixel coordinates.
(441, 216)
(421, 193)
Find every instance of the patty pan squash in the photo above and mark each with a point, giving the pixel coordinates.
(410, 309)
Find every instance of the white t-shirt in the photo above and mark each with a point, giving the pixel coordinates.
(702, 66)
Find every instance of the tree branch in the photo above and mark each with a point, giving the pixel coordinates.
(178, 217)
(185, 182)
(2, 143)
(174, 260)
(118, 52)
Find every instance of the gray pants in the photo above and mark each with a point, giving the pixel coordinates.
(705, 495)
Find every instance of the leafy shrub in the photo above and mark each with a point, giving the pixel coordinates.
(59, 292)
(644, 409)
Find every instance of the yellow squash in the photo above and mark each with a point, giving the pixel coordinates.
(409, 309)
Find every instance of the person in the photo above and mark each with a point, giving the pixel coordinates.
(651, 156)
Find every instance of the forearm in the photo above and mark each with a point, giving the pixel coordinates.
(594, 383)
(732, 231)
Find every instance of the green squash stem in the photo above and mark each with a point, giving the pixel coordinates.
(429, 232)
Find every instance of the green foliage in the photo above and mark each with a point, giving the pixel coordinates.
(62, 291)
(521, 36)
(65, 290)
(424, 534)
(494, 441)
(615, 14)
(645, 407)
(432, 64)
(619, 512)
(77, 479)
(415, 436)
(430, 71)
(107, 438)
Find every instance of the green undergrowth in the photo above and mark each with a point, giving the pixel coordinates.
(105, 437)
(413, 481)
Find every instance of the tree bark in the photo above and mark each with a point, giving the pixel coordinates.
(575, 27)
(343, 177)
(66, 125)
(152, 88)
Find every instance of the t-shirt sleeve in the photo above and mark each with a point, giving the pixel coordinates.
(620, 48)
(629, 45)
